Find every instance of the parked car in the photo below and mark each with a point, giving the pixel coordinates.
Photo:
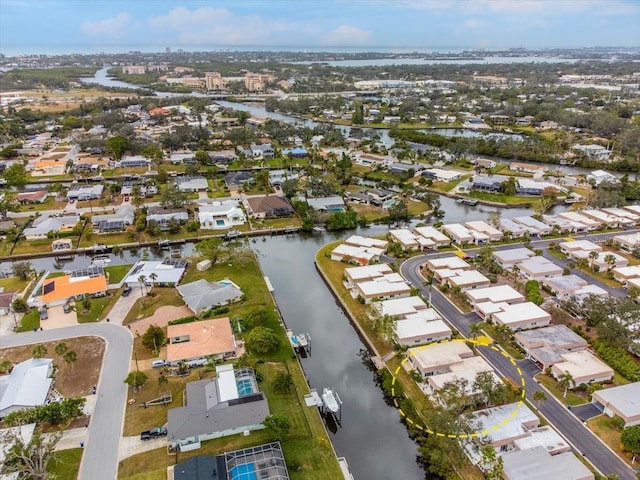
(126, 291)
(153, 433)
(66, 308)
(44, 314)
(159, 363)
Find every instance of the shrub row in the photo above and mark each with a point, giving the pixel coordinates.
(619, 359)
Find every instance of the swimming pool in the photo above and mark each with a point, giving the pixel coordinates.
(245, 387)
(244, 471)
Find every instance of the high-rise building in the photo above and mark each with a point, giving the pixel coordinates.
(214, 81)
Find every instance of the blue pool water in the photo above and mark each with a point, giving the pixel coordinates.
(226, 283)
(244, 387)
(244, 471)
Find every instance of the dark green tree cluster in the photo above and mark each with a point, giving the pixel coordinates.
(54, 413)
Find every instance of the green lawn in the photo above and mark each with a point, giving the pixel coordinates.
(49, 204)
(603, 427)
(100, 308)
(13, 284)
(552, 385)
(34, 246)
(116, 273)
(161, 296)
(500, 198)
(30, 321)
(65, 464)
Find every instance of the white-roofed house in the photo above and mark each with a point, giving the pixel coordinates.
(534, 227)
(492, 233)
(390, 285)
(628, 242)
(436, 236)
(355, 275)
(579, 248)
(522, 316)
(537, 268)
(583, 366)
(192, 184)
(220, 215)
(27, 386)
(41, 226)
(358, 255)
(458, 233)
(567, 286)
(513, 256)
(623, 401)
(538, 464)
(589, 223)
(467, 280)
(416, 324)
(167, 272)
(631, 218)
(624, 274)
(406, 238)
(358, 241)
(497, 294)
(202, 295)
(511, 228)
(605, 219)
(545, 345)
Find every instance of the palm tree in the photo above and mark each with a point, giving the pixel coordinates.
(143, 284)
(429, 282)
(592, 258)
(153, 278)
(610, 260)
(61, 349)
(70, 357)
(539, 396)
(476, 329)
(565, 382)
(39, 351)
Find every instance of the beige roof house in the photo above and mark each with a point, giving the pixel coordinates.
(628, 242)
(623, 401)
(196, 340)
(500, 293)
(538, 464)
(546, 345)
(583, 366)
(522, 316)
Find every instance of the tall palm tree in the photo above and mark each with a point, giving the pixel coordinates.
(610, 261)
(153, 278)
(143, 284)
(592, 258)
(565, 382)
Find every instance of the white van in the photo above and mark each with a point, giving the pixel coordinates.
(159, 363)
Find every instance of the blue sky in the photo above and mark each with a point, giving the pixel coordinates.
(47, 26)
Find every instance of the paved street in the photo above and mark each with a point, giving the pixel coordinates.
(100, 459)
(583, 440)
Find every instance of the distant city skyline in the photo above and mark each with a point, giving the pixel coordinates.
(83, 26)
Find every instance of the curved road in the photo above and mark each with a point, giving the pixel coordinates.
(583, 440)
(100, 458)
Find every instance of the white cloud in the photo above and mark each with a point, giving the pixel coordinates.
(538, 7)
(114, 27)
(345, 36)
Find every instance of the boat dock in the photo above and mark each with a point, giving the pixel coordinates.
(301, 343)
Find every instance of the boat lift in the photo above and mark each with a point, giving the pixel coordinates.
(301, 343)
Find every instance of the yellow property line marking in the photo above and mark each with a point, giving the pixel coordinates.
(482, 342)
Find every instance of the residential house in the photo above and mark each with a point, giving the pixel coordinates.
(627, 217)
(6, 300)
(579, 248)
(467, 280)
(444, 363)
(162, 273)
(355, 275)
(27, 386)
(433, 235)
(458, 233)
(605, 219)
(266, 460)
(622, 401)
(192, 184)
(38, 196)
(270, 206)
(135, 161)
(527, 186)
(538, 464)
(114, 222)
(537, 268)
(228, 404)
(358, 255)
(527, 168)
(278, 177)
(599, 176)
(535, 227)
(332, 204)
(49, 168)
(220, 215)
(44, 224)
(507, 259)
(387, 286)
(441, 175)
(415, 323)
(487, 183)
(236, 179)
(164, 216)
(625, 274)
(492, 233)
(563, 224)
(583, 367)
(85, 192)
(594, 152)
(201, 295)
(497, 294)
(445, 267)
(521, 316)
(589, 223)
(544, 346)
(511, 228)
(78, 284)
(264, 150)
(628, 242)
(566, 286)
(198, 340)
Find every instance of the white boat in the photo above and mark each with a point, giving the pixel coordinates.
(330, 400)
(100, 260)
(319, 229)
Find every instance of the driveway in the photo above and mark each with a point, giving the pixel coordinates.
(585, 412)
(100, 459)
(130, 446)
(161, 318)
(8, 323)
(123, 306)
(59, 319)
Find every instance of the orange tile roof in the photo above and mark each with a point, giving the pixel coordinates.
(208, 337)
(67, 287)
